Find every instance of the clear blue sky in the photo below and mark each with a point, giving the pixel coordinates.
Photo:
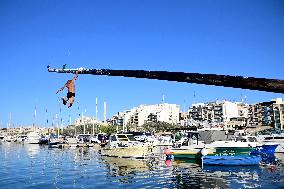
(244, 37)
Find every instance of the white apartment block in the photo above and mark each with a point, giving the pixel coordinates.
(85, 120)
(150, 113)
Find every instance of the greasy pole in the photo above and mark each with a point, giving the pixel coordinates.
(252, 83)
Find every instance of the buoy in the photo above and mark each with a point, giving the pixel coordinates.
(204, 152)
(168, 163)
(167, 151)
(272, 168)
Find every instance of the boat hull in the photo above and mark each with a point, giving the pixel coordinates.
(33, 141)
(232, 160)
(126, 152)
(194, 153)
(265, 149)
(233, 151)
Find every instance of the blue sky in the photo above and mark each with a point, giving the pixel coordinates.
(222, 37)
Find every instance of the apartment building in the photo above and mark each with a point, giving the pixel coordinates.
(267, 114)
(218, 112)
(149, 113)
(85, 120)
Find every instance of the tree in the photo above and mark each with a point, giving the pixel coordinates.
(109, 129)
(159, 126)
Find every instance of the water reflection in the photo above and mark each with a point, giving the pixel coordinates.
(124, 166)
(34, 166)
(32, 149)
(189, 174)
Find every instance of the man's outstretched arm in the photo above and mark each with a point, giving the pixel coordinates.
(75, 77)
(61, 88)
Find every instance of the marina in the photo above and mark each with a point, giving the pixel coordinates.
(83, 167)
(129, 160)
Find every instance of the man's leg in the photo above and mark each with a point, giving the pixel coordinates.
(71, 101)
(65, 100)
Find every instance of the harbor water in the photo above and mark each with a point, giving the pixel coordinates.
(36, 166)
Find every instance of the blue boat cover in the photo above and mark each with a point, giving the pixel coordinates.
(265, 149)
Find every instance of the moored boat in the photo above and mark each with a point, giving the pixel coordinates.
(188, 153)
(33, 138)
(125, 146)
(273, 138)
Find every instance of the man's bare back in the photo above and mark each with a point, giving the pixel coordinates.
(70, 85)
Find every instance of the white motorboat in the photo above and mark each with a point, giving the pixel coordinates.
(163, 140)
(8, 138)
(22, 138)
(125, 145)
(273, 138)
(100, 138)
(34, 138)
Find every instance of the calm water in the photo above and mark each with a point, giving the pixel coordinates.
(34, 166)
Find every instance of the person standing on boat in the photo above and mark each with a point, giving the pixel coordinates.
(70, 85)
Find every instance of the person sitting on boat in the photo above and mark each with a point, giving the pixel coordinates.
(70, 85)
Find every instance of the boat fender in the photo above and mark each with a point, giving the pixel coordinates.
(204, 152)
(168, 163)
(272, 168)
(167, 151)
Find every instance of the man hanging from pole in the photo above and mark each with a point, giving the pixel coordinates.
(70, 85)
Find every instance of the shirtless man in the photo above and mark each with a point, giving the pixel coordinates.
(70, 85)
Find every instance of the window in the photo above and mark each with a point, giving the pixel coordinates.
(113, 138)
